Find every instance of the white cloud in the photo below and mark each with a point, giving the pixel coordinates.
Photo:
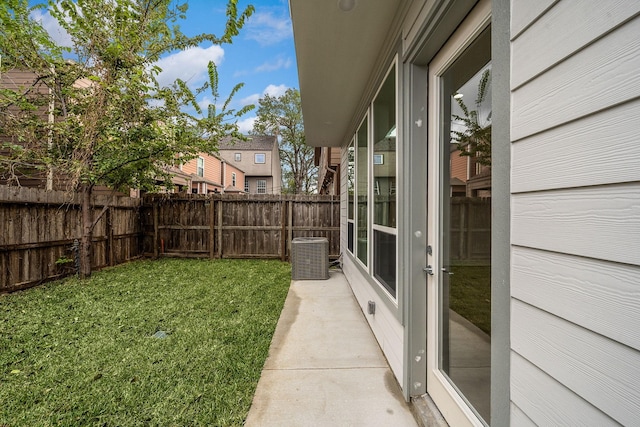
(251, 99)
(189, 65)
(58, 34)
(268, 29)
(271, 90)
(204, 104)
(275, 91)
(245, 126)
(277, 64)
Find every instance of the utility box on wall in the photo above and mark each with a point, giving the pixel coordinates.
(310, 258)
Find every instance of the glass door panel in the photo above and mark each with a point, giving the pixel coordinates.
(459, 223)
(465, 225)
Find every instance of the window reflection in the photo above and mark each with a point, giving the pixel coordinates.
(384, 153)
(466, 226)
(361, 191)
(351, 185)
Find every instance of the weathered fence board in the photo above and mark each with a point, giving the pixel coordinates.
(470, 229)
(39, 229)
(237, 226)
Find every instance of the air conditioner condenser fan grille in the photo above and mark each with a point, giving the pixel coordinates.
(310, 258)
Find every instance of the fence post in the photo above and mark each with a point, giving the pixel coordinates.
(283, 234)
(109, 230)
(220, 228)
(290, 222)
(156, 234)
(212, 227)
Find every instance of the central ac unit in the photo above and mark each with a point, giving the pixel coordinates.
(310, 258)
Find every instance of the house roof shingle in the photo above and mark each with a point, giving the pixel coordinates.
(254, 142)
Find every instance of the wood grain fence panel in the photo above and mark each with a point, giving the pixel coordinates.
(244, 226)
(39, 229)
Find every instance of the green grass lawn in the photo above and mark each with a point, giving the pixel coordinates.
(470, 294)
(76, 353)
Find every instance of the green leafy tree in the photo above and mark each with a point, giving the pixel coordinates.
(282, 117)
(114, 124)
(475, 139)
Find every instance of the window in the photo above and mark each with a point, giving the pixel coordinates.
(384, 180)
(260, 158)
(362, 191)
(200, 167)
(246, 185)
(238, 157)
(262, 186)
(233, 179)
(371, 177)
(351, 185)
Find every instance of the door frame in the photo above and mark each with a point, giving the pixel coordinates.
(453, 407)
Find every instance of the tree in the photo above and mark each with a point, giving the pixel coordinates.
(282, 117)
(475, 139)
(114, 123)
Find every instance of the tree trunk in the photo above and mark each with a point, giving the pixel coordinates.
(87, 232)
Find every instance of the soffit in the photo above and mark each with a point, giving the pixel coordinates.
(336, 54)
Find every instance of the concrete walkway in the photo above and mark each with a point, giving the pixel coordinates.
(324, 366)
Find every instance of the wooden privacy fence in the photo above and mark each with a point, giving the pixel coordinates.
(237, 226)
(470, 238)
(40, 231)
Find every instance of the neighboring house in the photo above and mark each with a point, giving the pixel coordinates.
(259, 158)
(27, 83)
(212, 174)
(328, 160)
(544, 331)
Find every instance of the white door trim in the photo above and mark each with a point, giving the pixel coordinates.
(452, 406)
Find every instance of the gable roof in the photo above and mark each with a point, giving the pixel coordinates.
(253, 143)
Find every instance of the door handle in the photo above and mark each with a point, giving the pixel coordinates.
(429, 270)
(444, 270)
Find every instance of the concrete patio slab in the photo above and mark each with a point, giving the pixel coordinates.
(325, 367)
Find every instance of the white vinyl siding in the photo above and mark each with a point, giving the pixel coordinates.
(385, 326)
(575, 213)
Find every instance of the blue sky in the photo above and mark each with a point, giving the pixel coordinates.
(262, 56)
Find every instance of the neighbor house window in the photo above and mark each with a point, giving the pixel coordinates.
(262, 186)
(200, 169)
(238, 157)
(378, 159)
(261, 158)
(246, 185)
(233, 179)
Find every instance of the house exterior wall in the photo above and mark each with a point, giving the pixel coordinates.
(270, 170)
(217, 174)
(575, 247)
(229, 170)
(328, 162)
(384, 324)
(566, 208)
